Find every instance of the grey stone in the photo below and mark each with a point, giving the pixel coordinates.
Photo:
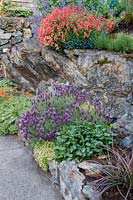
(127, 142)
(5, 48)
(91, 193)
(20, 178)
(27, 33)
(15, 40)
(91, 169)
(27, 24)
(5, 36)
(71, 181)
(54, 171)
(2, 42)
(1, 31)
(17, 34)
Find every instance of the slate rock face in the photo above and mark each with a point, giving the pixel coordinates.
(105, 74)
(72, 182)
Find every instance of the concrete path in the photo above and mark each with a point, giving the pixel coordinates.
(20, 178)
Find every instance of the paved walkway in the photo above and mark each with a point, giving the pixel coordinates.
(20, 178)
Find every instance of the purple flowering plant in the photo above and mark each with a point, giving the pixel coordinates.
(52, 110)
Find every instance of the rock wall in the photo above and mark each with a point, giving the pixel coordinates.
(106, 74)
(12, 32)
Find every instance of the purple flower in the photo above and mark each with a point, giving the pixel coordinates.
(51, 111)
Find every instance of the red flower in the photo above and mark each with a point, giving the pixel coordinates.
(71, 22)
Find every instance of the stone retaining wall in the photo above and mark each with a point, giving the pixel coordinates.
(12, 31)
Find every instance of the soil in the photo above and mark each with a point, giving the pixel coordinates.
(124, 27)
(113, 194)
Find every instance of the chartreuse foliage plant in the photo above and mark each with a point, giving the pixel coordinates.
(71, 23)
(43, 154)
(82, 141)
(10, 110)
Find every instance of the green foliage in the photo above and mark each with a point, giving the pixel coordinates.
(43, 154)
(7, 82)
(11, 9)
(128, 5)
(81, 141)
(6, 6)
(20, 13)
(122, 43)
(105, 9)
(10, 110)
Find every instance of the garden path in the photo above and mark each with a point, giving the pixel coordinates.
(20, 178)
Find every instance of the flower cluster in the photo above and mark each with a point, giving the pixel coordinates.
(69, 23)
(3, 94)
(52, 110)
(9, 92)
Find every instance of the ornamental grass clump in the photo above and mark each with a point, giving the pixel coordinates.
(70, 23)
(52, 110)
(117, 173)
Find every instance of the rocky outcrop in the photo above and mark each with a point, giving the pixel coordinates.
(13, 31)
(108, 75)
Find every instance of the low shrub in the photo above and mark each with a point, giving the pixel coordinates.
(70, 23)
(10, 110)
(122, 43)
(82, 141)
(43, 154)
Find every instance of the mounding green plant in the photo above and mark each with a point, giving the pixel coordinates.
(12, 9)
(118, 172)
(82, 140)
(10, 110)
(121, 43)
(7, 82)
(43, 154)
